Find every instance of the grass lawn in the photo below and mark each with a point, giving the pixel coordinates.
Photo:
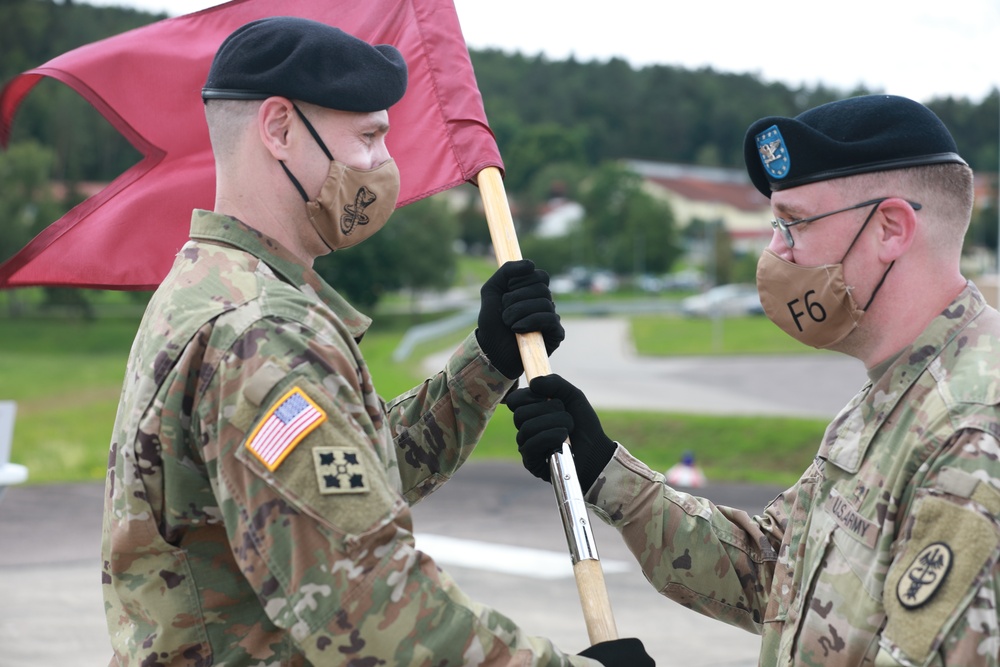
(674, 335)
(66, 377)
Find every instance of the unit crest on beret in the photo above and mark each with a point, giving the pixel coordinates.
(852, 136)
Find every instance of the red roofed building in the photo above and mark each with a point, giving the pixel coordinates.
(711, 194)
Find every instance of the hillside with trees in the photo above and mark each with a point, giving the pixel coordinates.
(559, 125)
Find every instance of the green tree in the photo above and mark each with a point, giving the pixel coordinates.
(424, 234)
(983, 227)
(625, 228)
(536, 146)
(32, 32)
(553, 181)
(414, 251)
(717, 259)
(27, 206)
(974, 127)
(26, 201)
(554, 255)
(474, 233)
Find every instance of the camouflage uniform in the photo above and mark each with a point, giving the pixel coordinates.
(257, 506)
(885, 552)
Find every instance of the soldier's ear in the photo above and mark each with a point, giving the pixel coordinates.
(897, 226)
(274, 121)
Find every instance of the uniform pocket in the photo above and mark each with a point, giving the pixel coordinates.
(840, 612)
(159, 596)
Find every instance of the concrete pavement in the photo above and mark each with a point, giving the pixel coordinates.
(51, 613)
(598, 357)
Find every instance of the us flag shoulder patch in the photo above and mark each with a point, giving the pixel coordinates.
(287, 422)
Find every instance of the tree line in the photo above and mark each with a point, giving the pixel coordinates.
(561, 126)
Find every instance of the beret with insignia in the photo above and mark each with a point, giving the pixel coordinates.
(853, 136)
(308, 61)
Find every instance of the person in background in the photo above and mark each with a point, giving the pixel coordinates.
(886, 550)
(259, 489)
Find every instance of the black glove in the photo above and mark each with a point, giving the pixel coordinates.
(624, 652)
(545, 414)
(516, 299)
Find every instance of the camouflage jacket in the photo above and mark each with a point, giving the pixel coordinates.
(258, 493)
(885, 552)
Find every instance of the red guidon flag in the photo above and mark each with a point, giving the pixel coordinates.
(147, 83)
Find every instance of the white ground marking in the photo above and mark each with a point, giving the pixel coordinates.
(504, 558)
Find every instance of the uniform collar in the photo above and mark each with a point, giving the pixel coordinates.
(216, 228)
(849, 435)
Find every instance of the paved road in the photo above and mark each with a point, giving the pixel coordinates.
(598, 357)
(50, 601)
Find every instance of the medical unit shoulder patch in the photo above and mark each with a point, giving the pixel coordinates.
(925, 575)
(290, 419)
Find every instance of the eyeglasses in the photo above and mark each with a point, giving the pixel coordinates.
(786, 235)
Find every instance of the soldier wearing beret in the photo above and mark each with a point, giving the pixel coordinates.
(259, 491)
(886, 550)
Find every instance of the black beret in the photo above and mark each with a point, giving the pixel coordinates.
(305, 60)
(852, 136)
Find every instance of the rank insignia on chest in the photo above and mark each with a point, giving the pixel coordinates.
(290, 419)
(925, 575)
(339, 470)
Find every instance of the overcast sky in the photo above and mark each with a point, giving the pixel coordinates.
(917, 48)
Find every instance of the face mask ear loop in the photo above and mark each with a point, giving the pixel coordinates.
(858, 235)
(879, 286)
(315, 135)
(891, 264)
(295, 182)
(313, 132)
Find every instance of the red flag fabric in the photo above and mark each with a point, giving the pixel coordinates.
(147, 83)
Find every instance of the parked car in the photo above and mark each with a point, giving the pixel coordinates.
(724, 301)
(687, 279)
(648, 283)
(580, 279)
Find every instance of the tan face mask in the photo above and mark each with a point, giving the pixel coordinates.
(812, 304)
(353, 204)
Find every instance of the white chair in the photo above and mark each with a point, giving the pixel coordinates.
(10, 473)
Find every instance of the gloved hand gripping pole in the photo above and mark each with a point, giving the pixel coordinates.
(576, 520)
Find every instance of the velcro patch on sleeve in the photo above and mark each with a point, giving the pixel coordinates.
(935, 577)
(290, 419)
(340, 470)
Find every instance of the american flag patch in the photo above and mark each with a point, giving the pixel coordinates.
(288, 421)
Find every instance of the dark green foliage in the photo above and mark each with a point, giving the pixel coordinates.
(670, 114)
(542, 111)
(35, 31)
(555, 255)
(414, 251)
(974, 127)
(626, 229)
(559, 124)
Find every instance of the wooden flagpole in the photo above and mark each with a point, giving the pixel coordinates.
(586, 564)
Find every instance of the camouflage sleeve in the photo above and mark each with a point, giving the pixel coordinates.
(436, 425)
(716, 560)
(943, 587)
(318, 528)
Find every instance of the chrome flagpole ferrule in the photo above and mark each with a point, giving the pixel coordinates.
(572, 508)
